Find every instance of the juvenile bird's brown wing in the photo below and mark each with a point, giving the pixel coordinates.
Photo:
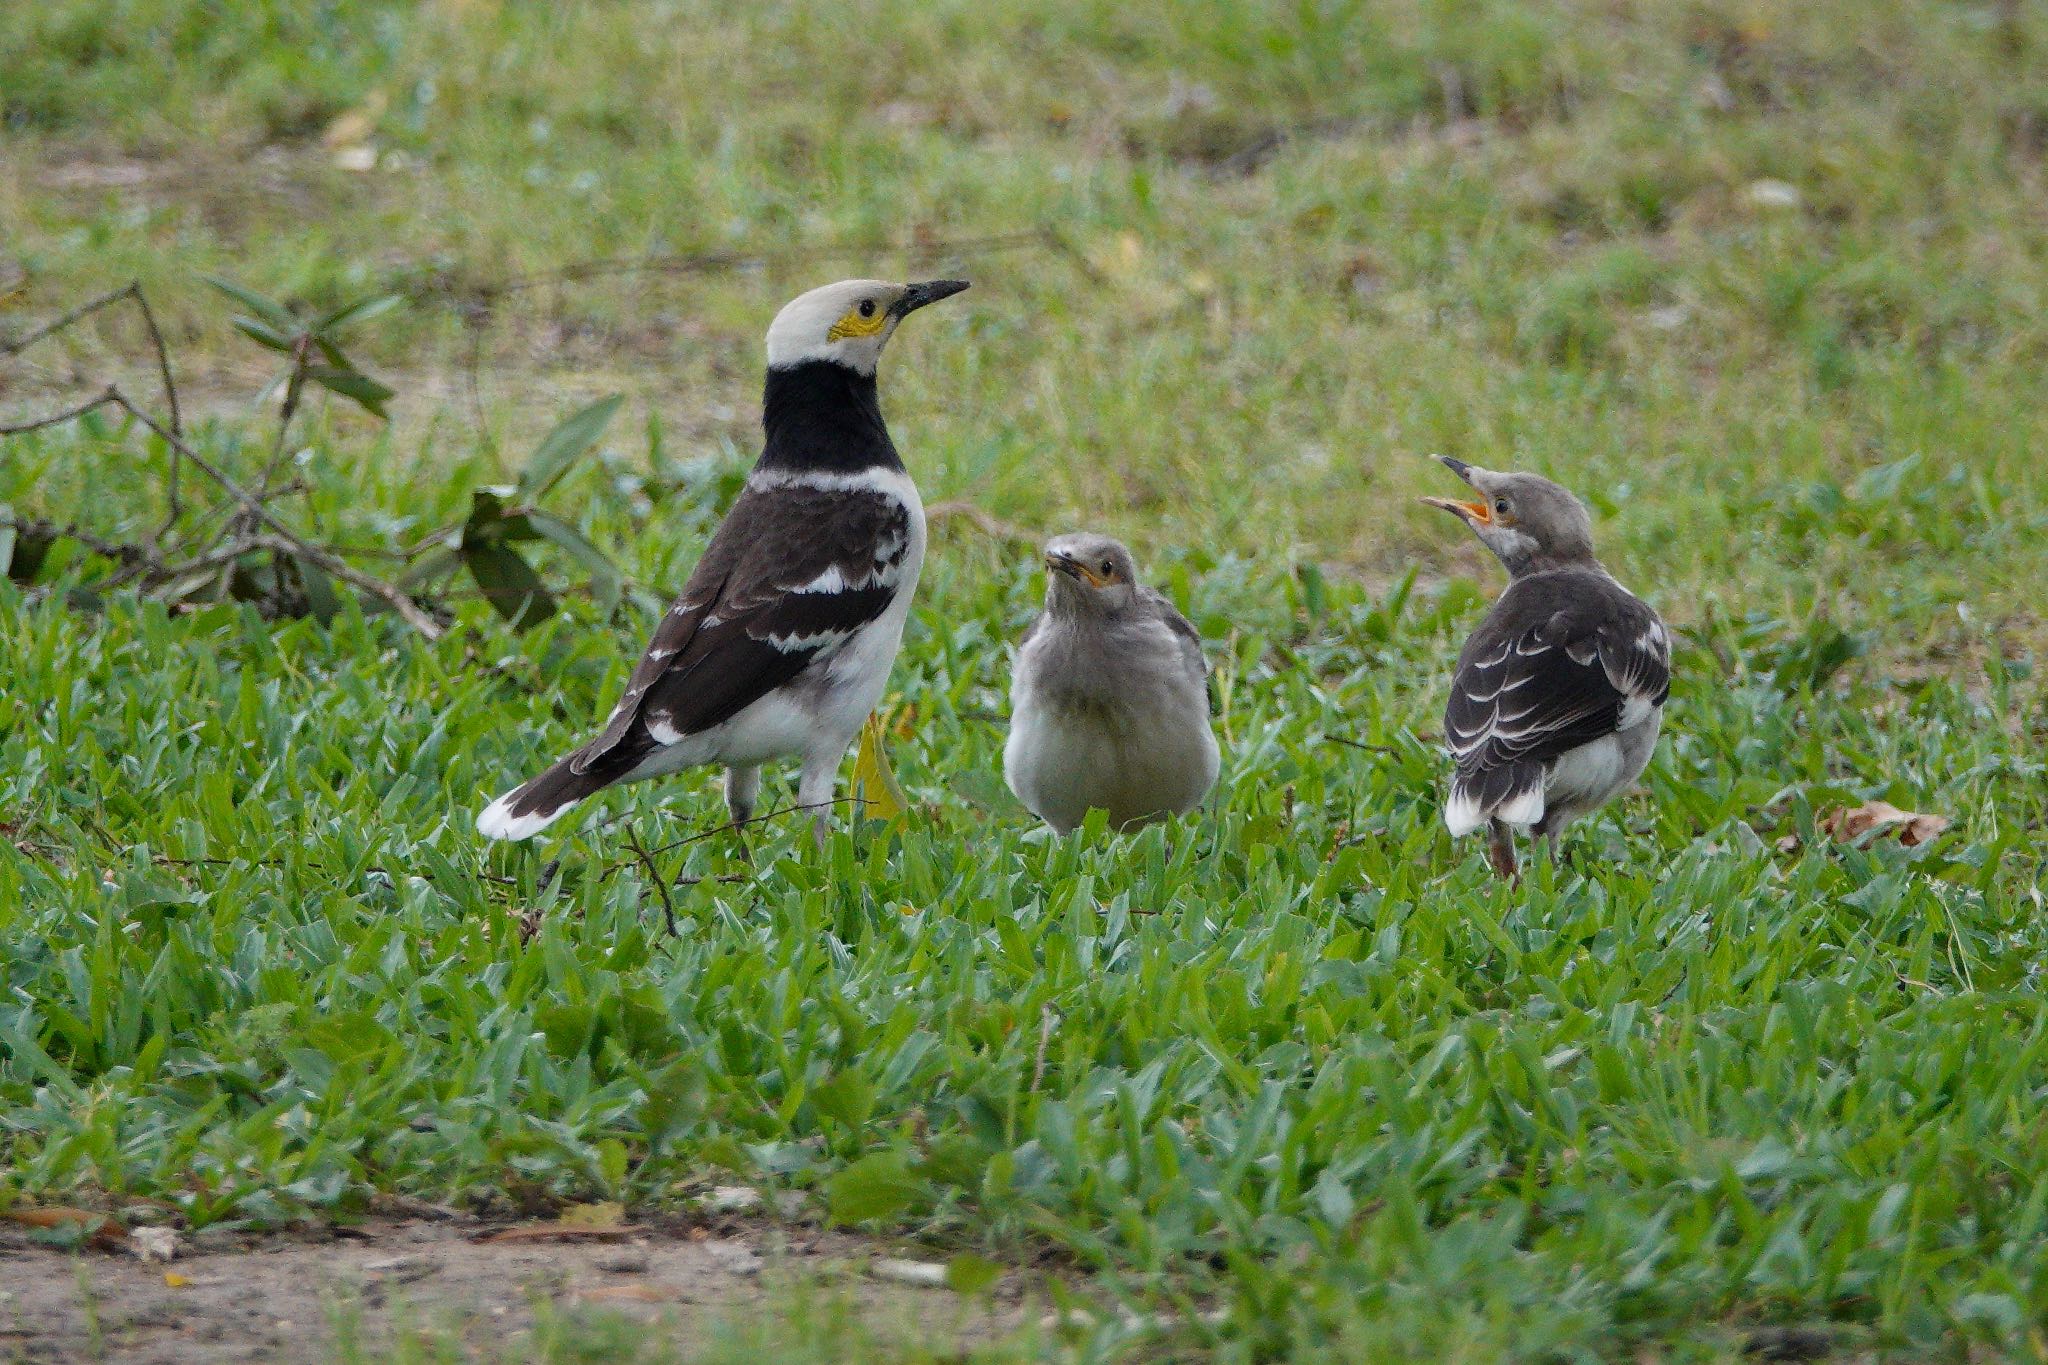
(1561, 660)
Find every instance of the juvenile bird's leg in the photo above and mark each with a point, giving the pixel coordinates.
(814, 791)
(742, 786)
(1500, 850)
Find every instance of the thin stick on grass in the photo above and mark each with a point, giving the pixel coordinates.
(711, 262)
(983, 520)
(668, 905)
(1044, 1039)
(132, 290)
(408, 610)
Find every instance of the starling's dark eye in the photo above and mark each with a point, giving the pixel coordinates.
(1500, 507)
(867, 308)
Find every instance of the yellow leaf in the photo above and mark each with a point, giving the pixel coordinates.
(874, 784)
(608, 1213)
(355, 126)
(175, 1280)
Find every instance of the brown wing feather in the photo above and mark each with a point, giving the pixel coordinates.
(744, 625)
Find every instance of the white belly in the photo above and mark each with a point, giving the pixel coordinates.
(1589, 776)
(820, 711)
(1061, 763)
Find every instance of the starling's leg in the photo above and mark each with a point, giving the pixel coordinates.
(1500, 850)
(742, 786)
(814, 790)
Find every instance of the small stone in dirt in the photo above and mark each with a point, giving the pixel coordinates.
(926, 1273)
(734, 1258)
(731, 1199)
(625, 1261)
(153, 1244)
(402, 1269)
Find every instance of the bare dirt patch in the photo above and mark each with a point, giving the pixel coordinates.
(335, 1293)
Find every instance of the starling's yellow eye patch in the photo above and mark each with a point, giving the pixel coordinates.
(864, 321)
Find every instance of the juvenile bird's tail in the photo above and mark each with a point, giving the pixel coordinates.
(1512, 793)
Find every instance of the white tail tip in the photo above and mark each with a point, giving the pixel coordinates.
(1523, 808)
(1462, 813)
(498, 821)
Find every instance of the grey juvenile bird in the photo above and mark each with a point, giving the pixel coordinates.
(783, 638)
(1109, 705)
(1559, 694)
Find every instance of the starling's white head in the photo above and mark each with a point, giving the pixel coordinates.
(1087, 574)
(1530, 523)
(848, 323)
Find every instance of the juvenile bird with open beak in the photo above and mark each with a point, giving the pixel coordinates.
(782, 639)
(1109, 703)
(1558, 696)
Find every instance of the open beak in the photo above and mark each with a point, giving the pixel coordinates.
(1056, 562)
(1478, 513)
(917, 296)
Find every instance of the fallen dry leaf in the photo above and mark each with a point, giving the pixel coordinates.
(639, 1293)
(1846, 824)
(553, 1232)
(601, 1222)
(607, 1213)
(176, 1281)
(104, 1232)
(356, 125)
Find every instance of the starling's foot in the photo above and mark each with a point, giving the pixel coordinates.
(1500, 851)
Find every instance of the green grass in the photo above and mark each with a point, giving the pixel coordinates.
(1311, 1085)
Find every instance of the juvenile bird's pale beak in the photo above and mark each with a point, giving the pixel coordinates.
(1478, 513)
(1056, 562)
(917, 296)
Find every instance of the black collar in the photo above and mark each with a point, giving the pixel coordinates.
(821, 415)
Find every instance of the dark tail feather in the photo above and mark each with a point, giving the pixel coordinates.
(532, 806)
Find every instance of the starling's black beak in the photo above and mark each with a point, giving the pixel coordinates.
(1458, 467)
(1057, 561)
(917, 296)
(1475, 513)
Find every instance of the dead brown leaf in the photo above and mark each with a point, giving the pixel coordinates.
(600, 1222)
(1846, 824)
(608, 1213)
(103, 1231)
(637, 1293)
(553, 1232)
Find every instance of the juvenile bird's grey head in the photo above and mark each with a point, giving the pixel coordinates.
(1530, 523)
(848, 322)
(1088, 577)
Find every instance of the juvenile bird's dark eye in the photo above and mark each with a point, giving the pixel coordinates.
(1108, 569)
(1500, 506)
(867, 308)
